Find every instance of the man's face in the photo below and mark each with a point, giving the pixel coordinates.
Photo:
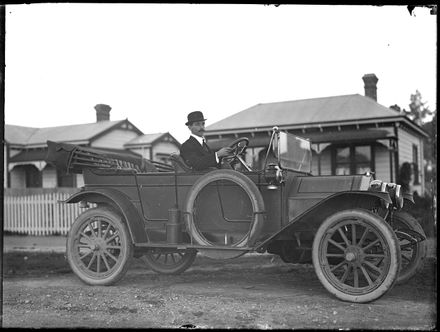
(197, 128)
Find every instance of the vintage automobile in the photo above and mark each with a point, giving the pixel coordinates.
(350, 227)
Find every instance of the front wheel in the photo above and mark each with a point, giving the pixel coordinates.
(99, 247)
(356, 255)
(169, 261)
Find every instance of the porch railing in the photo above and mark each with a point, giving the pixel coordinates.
(36, 211)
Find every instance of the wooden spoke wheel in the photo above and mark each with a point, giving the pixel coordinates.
(356, 255)
(99, 247)
(412, 245)
(169, 261)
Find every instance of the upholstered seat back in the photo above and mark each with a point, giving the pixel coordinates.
(179, 164)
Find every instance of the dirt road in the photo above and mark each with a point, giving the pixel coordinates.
(258, 292)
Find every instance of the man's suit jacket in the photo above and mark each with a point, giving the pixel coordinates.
(196, 156)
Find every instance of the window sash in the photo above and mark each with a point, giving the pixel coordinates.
(350, 159)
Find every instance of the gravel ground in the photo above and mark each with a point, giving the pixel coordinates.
(255, 292)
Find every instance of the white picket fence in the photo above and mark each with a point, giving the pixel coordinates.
(38, 212)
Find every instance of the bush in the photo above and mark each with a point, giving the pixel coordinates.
(423, 211)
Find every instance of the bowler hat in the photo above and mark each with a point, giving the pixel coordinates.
(194, 117)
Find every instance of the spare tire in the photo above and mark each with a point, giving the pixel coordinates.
(243, 184)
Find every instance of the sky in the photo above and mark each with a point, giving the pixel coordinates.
(155, 63)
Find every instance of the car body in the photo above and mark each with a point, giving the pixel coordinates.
(166, 215)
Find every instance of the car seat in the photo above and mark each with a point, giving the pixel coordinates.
(179, 164)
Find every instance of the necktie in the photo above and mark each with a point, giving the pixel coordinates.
(205, 146)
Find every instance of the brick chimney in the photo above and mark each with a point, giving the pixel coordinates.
(370, 81)
(102, 112)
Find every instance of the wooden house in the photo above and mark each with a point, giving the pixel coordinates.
(350, 134)
(25, 148)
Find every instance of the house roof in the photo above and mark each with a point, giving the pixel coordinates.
(72, 133)
(150, 139)
(18, 134)
(305, 111)
(145, 139)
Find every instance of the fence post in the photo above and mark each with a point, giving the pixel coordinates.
(27, 227)
(39, 216)
(56, 213)
(6, 216)
(24, 216)
(30, 216)
(70, 215)
(62, 213)
(16, 215)
(32, 219)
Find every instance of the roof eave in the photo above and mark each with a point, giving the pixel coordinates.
(15, 145)
(399, 118)
(44, 145)
(137, 145)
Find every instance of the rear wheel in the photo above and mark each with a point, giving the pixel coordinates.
(99, 247)
(412, 246)
(169, 261)
(356, 255)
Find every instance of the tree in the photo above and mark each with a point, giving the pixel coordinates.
(417, 112)
(427, 119)
(430, 151)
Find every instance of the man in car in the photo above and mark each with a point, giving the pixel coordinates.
(195, 151)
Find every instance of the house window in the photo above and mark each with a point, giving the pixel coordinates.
(353, 159)
(343, 161)
(415, 159)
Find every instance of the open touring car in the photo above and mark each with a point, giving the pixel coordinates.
(350, 227)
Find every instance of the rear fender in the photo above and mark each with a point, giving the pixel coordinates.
(121, 203)
(311, 219)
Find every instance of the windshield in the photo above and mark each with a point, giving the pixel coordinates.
(293, 152)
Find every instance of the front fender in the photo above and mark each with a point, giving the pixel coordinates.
(311, 219)
(408, 197)
(122, 203)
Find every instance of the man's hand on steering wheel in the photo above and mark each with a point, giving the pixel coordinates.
(237, 148)
(224, 152)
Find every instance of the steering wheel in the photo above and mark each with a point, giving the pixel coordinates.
(238, 150)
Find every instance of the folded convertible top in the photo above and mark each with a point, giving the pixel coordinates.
(71, 158)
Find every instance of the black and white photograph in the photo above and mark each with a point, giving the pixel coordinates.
(219, 166)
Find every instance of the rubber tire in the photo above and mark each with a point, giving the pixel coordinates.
(390, 237)
(181, 266)
(126, 252)
(418, 260)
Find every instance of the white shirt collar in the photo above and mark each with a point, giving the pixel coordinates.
(199, 139)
